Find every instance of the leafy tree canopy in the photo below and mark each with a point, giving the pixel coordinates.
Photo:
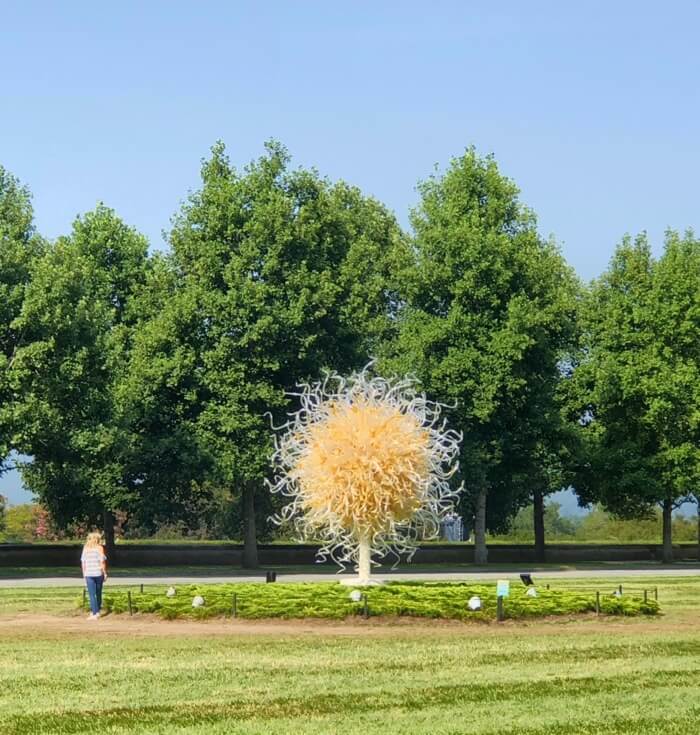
(280, 273)
(488, 309)
(640, 378)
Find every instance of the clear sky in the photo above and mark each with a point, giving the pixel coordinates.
(593, 108)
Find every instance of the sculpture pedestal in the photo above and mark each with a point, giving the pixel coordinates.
(364, 563)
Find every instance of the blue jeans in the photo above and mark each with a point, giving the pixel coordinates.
(94, 588)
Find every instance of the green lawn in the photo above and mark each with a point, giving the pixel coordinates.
(610, 676)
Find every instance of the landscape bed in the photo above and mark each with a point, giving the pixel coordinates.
(446, 600)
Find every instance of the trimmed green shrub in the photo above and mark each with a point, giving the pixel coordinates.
(447, 600)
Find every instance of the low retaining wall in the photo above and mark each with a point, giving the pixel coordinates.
(154, 555)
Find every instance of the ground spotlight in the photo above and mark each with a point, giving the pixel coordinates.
(526, 579)
(474, 603)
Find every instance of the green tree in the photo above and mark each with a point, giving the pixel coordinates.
(640, 381)
(556, 525)
(20, 522)
(280, 274)
(19, 246)
(3, 518)
(77, 321)
(487, 309)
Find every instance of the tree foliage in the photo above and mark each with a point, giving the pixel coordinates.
(19, 246)
(488, 307)
(279, 274)
(145, 384)
(639, 380)
(77, 322)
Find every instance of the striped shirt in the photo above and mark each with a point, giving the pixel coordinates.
(92, 559)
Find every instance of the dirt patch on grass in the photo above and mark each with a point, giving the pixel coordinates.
(40, 626)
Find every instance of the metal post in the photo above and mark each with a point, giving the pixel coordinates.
(597, 602)
(128, 597)
(234, 606)
(656, 593)
(141, 587)
(499, 608)
(547, 586)
(620, 588)
(645, 595)
(365, 610)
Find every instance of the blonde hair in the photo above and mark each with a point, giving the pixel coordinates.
(94, 539)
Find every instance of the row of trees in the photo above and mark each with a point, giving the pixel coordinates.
(144, 383)
(31, 522)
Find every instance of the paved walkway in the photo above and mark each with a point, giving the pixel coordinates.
(165, 579)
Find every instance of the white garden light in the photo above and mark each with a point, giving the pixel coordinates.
(170, 592)
(197, 601)
(474, 603)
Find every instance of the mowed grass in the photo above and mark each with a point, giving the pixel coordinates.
(586, 676)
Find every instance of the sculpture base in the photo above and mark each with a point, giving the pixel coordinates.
(357, 582)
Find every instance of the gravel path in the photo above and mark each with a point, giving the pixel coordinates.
(166, 579)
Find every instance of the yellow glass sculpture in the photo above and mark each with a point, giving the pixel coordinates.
(366, 463)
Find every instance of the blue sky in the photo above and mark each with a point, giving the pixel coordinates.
(593, 108)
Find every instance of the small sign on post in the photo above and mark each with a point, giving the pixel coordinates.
(502, 588)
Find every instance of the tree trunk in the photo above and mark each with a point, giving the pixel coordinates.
(667, 534)
(108, 531)
(250, 540)
(480, 550)
(539, 526)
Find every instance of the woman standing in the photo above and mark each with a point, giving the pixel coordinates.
(94, 564)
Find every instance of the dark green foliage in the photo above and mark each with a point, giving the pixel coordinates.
(331, 600)
(488, 310)
(78, 316)
(638, 382)
(279, 274)
(19, 247)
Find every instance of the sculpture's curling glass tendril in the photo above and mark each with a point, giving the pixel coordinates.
(366, 463)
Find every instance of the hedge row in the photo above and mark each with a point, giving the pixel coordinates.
(332, 600)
